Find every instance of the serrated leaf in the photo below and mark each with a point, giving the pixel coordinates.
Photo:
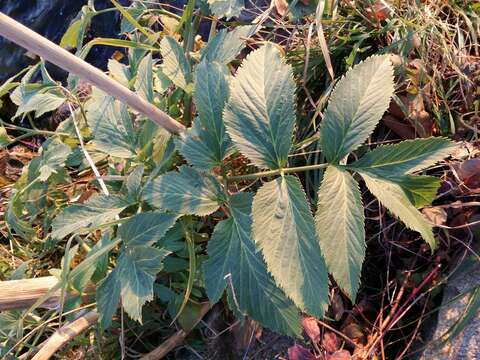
(186, 192)
(394, 198)
(340, 225)
(226, 45)
(144, 81)
(207, 144)
(175, 64)
(96, 211)
(234, 263)
(421, 190)
(356, 106)
(283, 228)
(40, 102)
(133, 184)
(118, 71)
(146, 228)
(226, 8)
(405, 157)
(108, 297)
(197, 147)
(111, 125)
(137, 268)
(260, 113)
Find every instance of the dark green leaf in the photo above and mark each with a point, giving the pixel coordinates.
(234, 263)
(226, 45)
(146, 228)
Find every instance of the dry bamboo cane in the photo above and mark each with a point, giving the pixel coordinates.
(37, 44)
(21, 294)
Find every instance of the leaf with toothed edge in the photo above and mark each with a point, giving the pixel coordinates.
(394, 198)
(356, 105)
(340, 225)
(284, 230)
(260, 113)
(234, 263)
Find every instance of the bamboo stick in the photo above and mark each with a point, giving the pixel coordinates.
(66, 333)
(21, 294)
(37, 44)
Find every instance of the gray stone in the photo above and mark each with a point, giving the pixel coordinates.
(466, 344)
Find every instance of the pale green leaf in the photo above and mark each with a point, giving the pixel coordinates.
(186, 192)
(40, 102)
(108, 297)
(260, 113)
(175, 64)
(283, 228)
(394, 198)
(138, 267)
(133, 184)
(5, 139)
(120, 72)
(226, 8)
(421, 190)
(146, 228)
(70, 38)
(144, 81)
(340, 227)
(111, 125)
(405, 157)
(235, 264)
(207, 144)
(96, 211)
(226, 45)
(356, 106)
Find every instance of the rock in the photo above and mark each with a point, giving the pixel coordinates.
(466, 344)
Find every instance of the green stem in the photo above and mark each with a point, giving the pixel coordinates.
(276, 172)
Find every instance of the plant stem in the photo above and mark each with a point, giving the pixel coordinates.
(276, 172)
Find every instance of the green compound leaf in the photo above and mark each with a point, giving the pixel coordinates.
(206, 144)
(340, 227)
(111, 125)
(186, 192)
(226, 45)
(139, 266)
(146, 228)
(235, 264)
(260, 113)
(144, 81)
(283, 228)
(96, 211)
(421, 190)
(226, 8)
(175, 65)
(132, 281)
(356, 106)
(394, 198)
(405, 157)
(108, 297)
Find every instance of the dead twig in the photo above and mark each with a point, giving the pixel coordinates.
(66, 333)
(176, 339)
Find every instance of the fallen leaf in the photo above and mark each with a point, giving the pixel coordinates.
(469, 173)
(298, 352)
(311, 328)
(330, 342)
(339, 355)
(338, 308)
(435, 215)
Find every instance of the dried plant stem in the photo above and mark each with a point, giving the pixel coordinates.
(37, 44)
(21, 294)
(66, 333)
(175, 340)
